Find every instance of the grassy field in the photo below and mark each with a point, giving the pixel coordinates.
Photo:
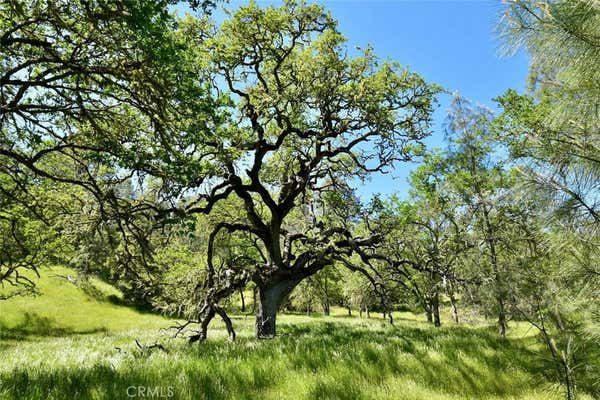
(71, 344)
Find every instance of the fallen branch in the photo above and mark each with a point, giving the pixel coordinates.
(150, 347)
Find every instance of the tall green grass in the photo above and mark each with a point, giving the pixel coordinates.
(62, 308)
(76, 356)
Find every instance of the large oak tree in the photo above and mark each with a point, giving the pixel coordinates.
(306, 119)
(161, 118)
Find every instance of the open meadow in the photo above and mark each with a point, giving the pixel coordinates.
(69, 344)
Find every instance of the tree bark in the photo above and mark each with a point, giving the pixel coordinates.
(204, 321)
(435, 306)
(501, 319)
(326, 308)
(242, 299)
(499, 289)
(227, 321)
(254, 297)
(454, 307)
(271, 296)
(326, 302)
(428, 313)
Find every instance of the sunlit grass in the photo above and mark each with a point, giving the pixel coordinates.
(310, 360)
(334, 357)
(63, 308)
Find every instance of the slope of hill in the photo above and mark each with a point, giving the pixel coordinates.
(64, 306)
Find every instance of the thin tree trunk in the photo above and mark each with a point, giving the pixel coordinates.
(435, 305)
(205, 319)
(349, 311)
(367, 312)
(254, 300)
(326, 308)
(227, 321)
(428, 313)
(561, 358)
(501, 319)
(497, 279)
(454, 306)
(243, 300)
(326, 304)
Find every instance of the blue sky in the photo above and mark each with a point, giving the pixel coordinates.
(452, 43)
(449, 42)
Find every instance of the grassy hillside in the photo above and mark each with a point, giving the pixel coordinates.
(62, 308)
(68, 344)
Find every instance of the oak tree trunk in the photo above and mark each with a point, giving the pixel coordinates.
(271, 296)
(428, 313)
(435, 306)
(243, 300)
(501, 318)
(326, 308)
(326, 302)
(454, 307)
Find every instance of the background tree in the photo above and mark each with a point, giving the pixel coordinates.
(360, 294)
(29, 232)
(323, 288)
(552, 132)
(444, 237)
(480, 183)
(424, 243)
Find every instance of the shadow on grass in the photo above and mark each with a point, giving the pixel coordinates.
(36, 325)
(455, 360)
(316, 360)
